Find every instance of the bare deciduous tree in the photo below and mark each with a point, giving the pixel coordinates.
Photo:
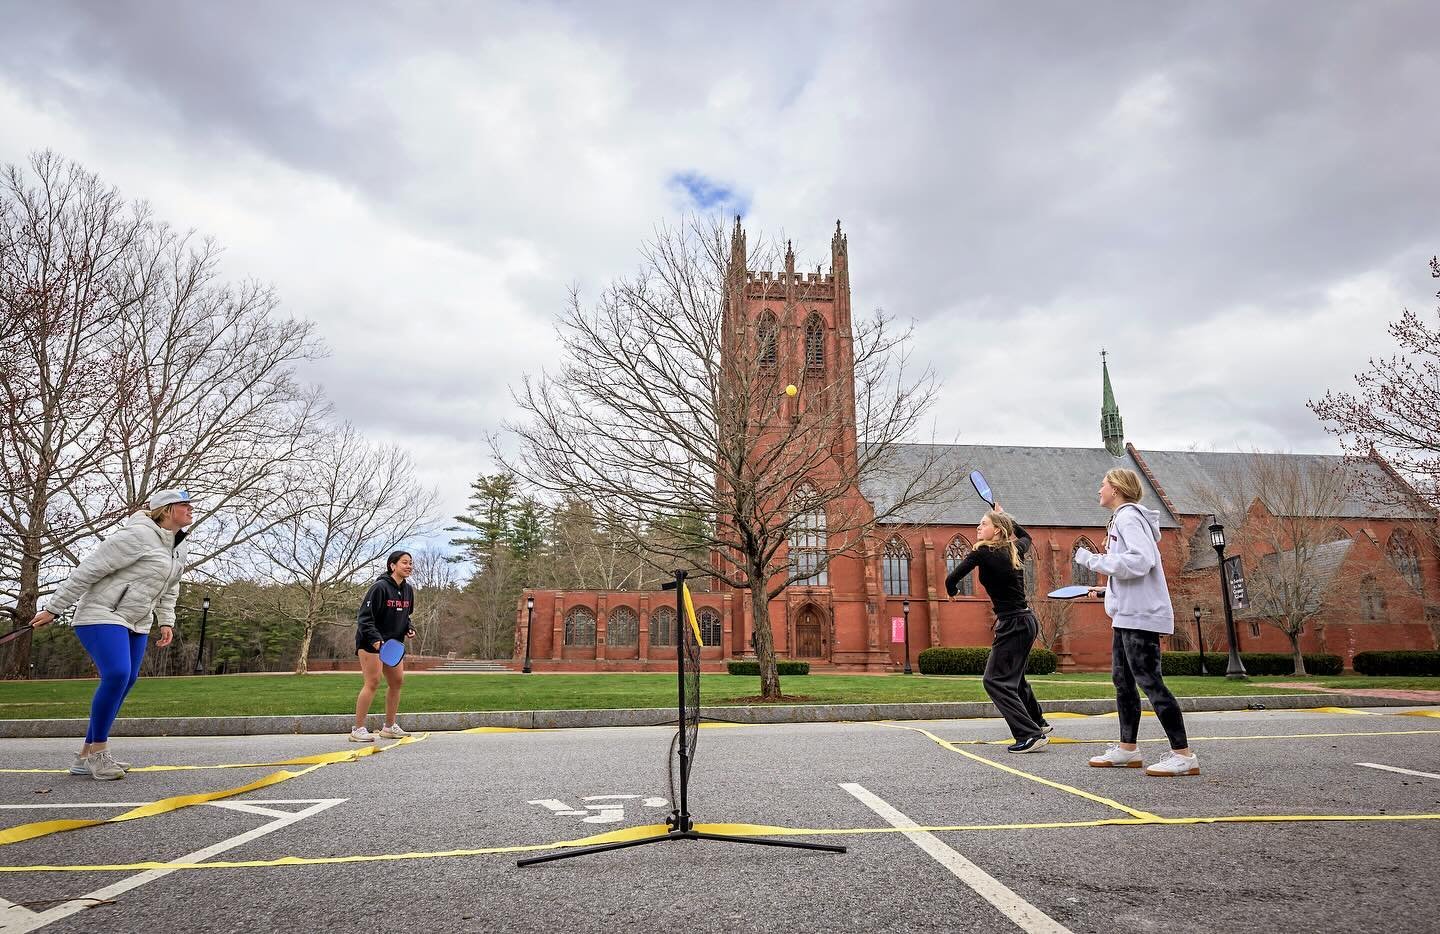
(1279, 511)
(64, 241)
(437, 580)
(360, 501)
(1053, 616)
(211, 402)
(669, 403)
(128, 367)
(1396, 408)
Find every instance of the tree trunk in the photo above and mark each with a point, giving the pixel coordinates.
(17, 658)
(1295, 650)
(764, 637)
(302, 659)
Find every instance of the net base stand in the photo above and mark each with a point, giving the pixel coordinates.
(678, 835)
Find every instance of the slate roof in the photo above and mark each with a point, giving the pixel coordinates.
(1324, 565)
(1038, 486)
(1053, 486)
(1185, 475)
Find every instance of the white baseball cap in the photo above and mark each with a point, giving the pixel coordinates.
(168, 497)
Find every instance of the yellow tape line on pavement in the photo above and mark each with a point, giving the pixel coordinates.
(1062, 740)
(637, 833)
(163, 806)
(1419, 713)
(323, 758)
(1069, 789)
(39, 829)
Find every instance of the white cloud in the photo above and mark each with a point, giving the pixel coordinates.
(1232, 205)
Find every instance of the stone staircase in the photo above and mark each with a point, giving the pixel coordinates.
(473, 666)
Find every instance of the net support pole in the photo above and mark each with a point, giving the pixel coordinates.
(684, 828)
(682, 818)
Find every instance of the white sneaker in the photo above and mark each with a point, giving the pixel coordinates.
(1116, 758)
(393, 731)
(1175, 764)
(101, 767)
(361, 735)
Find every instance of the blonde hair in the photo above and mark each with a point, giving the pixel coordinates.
(1126, 482)
(156, 515)
(1005, 527)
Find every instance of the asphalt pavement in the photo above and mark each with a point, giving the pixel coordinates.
(1290, 827)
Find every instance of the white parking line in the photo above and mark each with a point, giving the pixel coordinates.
(1393, 768)
(16, 919)
(1025, 915)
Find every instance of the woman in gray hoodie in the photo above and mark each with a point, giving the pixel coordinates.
(1138, 604)
(129, 582)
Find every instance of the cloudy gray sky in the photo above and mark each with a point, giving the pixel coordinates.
(1232, 198)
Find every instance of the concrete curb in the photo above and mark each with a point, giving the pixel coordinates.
(575, 719)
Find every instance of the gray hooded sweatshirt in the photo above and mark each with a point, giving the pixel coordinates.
(130, 580)
(1135, 594)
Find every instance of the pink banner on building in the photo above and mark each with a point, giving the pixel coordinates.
(897, 629)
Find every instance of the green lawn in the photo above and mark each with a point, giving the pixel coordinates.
(250, 695)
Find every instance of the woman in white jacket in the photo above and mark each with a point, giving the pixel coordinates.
(130, 580)
(1138, 603)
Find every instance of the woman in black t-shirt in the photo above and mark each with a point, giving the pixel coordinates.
(1000, 546)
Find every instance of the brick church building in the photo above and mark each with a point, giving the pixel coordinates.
(854, 615)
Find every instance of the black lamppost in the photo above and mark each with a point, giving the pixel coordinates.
(529, 618)
(1200, 639)
(200, 649)
(906, 609)
(1235, 669)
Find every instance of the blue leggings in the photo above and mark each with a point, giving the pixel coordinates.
(116, 652)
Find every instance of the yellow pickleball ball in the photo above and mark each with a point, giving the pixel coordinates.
(791, 390)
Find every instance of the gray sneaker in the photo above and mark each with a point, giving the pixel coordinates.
(102, 768)
(81, 767)
(393, 731)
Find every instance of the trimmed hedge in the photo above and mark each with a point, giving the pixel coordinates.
(1188, 663)
(970, 660)
(753, 668)
(1256, 663)
(1398, 663)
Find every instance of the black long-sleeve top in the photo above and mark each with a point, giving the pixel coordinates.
(1004, 583)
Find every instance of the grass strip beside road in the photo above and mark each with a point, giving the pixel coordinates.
(285, 694)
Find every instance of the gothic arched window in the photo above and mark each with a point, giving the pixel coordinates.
(1405, 556)
(580, 626)
(814, 343)
(808, 541)
(1079, 573)
(1029, 567)
(767, 337)
(897, 568)
(622, 627)
(955, 552)
(710, 628)
(662, 626)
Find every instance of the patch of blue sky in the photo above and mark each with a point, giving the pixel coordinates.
(707, 195)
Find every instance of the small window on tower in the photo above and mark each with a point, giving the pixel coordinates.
(815, 343)
(767, 336)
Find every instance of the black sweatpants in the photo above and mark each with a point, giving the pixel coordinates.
(1005, 674)
(1135, 659)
